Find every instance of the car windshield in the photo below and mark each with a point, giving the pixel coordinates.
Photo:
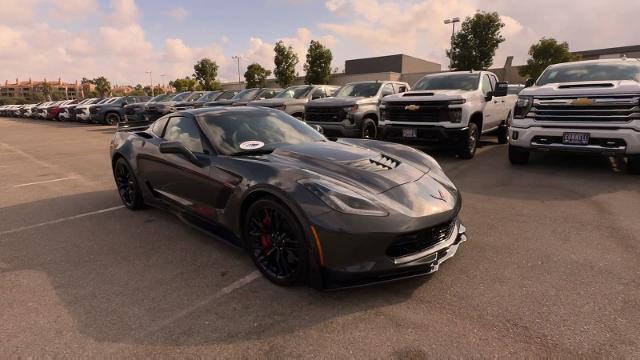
(227, 95)
(578, 72)
(448, 82)
(181, 96)
(194, 96)
(294, 92)
(253, 130)
(359, 89)
(210, 96)
(103, 101)
(246, 94)
(160, 97)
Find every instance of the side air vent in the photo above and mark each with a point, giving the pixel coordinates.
(379, 163)
(578, 86)
(417, 94)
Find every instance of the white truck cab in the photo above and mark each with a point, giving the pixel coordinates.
(451, 108)
(585, 106)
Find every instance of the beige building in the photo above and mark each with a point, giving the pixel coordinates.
(31, 89)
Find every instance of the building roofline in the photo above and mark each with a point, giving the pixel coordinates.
(609, 51)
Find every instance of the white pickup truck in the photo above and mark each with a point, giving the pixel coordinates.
(452, 108)
(585, 106)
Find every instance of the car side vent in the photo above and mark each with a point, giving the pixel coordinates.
(578, 86)
(417, 94)
(379, 163)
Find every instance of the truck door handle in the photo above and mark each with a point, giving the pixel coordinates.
(495, 101)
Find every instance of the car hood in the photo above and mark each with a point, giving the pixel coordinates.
(342, 101)
(274, 102)
(136, 105)
(429, 95)
(223, 102)
(404, 179)
(584, 88)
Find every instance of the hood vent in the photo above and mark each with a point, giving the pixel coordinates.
(417, 94)
(578, 86)
(379, 163)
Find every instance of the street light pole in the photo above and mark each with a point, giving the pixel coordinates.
(150, 81)
(453, 22)
(162, 77)
(237, 58)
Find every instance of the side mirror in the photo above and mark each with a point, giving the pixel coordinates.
(176, 147)
(529, 83)
(489, 96)
(501, 89)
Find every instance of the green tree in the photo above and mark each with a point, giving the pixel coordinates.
(318, 65)
(206, 72)
(158, 90)
(285, 62)
(474, 46)
(185, 84)
(47, 90)
(544, 53)
(256, 76)
(138, 90)
(103, 86)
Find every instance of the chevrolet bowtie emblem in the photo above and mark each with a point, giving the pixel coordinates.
(582, 102)
(412, 107)
(440, 196)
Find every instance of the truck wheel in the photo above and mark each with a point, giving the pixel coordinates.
(112, 118)
(633, 164)
(467, 148)
(369, 129)
(518, 155)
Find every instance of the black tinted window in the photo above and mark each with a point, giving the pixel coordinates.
(185, 131)
(246, 129)
(158, 126)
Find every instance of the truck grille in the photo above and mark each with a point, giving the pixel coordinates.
(623, 108)
(80, 111)
(415, 242)
(427, 111)
(325, 114)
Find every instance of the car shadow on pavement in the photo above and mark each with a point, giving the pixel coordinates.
(145, 277)
(52, 123)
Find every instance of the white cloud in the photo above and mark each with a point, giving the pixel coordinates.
(72, 10)
(179, 14)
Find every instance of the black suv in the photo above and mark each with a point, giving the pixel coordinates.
(112, 112)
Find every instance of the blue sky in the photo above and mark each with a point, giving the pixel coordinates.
(121, 39)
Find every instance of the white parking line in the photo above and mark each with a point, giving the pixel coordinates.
(252, 276)
(44, 182)
(60, 220)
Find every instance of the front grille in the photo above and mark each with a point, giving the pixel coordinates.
(622, 108)
(325, 114)
(426, 111)
(603, 142)
(418, 241)
(80, 111)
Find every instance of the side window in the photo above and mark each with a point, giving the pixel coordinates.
(185, 131)
(486, 85)
(387, 90)
(493, 80)
(318, 93)
(402, 88)
(158, 126)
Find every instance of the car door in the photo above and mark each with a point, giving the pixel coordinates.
(502, 101)
(173, 177)
(492, 112)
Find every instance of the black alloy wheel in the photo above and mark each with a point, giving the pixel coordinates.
(112, 118)
(276, 242)
(468, 146)
(127, 185)
(369, 129)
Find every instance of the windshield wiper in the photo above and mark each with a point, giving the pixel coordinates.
(252, 152)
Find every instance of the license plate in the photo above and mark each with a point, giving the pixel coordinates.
(572, 138)
(409, 133)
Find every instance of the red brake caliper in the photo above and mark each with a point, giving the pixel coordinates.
(265, 238)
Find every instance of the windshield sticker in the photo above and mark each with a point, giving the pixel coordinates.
(251, 145)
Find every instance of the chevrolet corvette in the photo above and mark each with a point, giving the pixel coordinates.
(308, 210)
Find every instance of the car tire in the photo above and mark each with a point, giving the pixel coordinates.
(633, 164)
(503, 131)
(112, 118)
(276, 242)
(369, 129)
(127, 185)
(467, 147)
(518, 156)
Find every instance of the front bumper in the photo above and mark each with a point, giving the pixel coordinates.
(606, 141)
(353, 260)
(425, 134)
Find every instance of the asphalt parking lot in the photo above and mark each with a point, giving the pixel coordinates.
(551, 268)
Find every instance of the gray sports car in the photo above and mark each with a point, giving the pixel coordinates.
(308, 210)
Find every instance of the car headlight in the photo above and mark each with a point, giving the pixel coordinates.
(351, 109)
(455, 115)
(457, 101)
(341, 198)
(523, 105)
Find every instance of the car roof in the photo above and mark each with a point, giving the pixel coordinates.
(599, 61)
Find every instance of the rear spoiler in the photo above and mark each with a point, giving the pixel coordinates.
(133, 126)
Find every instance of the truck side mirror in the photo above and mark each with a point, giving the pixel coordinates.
(529, 82)
(501, 89)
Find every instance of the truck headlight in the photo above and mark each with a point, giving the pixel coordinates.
(523, 105)
(455, 115)
(351, 109)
